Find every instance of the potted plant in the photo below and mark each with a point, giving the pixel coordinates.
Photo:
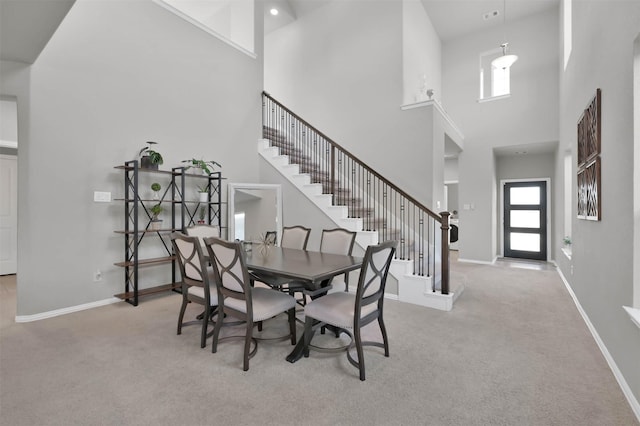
(205, 166)
(203, 191)
(155, 187)
(567, 241)
(201, 216)
(150, 158)
(156, 223)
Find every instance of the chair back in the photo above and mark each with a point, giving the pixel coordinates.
(373, 275)
(203, 231)
(229, 270)
(295, 237)
(191, 261)
(337, 241)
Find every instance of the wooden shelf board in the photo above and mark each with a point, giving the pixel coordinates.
(148, 291)
(166, 230)
(144, 200)
(144, 170)
(147, 262)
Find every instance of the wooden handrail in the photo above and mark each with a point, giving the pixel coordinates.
(356, 159)
(399, 215)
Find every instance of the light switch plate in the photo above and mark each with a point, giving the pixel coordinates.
(101, 197)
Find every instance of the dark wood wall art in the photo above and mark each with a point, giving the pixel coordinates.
(589, 143)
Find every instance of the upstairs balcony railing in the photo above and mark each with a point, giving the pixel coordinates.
(380, 205)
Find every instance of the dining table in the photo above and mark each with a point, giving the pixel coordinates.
(312, 268)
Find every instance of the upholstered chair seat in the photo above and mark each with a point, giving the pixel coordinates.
(337, 309)
(237, 298)
(350, 312)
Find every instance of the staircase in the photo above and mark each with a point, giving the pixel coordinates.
(357, 198)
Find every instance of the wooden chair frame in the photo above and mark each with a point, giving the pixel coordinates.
(194, 262)
(373, 276)
(234, 284)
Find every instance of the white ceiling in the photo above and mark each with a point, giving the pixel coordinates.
(27, 25)
(526, 149)
(451, 18)
(456, 18)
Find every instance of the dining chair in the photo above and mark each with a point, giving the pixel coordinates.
(237, 298)
(338, 241)
(350, 312)
(197, 281)
(335, 241)
(293, 237)
(202, 231)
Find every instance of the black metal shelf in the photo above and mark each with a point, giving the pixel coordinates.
(137, 222)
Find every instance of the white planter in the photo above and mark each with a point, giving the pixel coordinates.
(204, 197)
(156, 225)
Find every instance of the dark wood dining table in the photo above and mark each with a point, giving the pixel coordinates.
(314, 269)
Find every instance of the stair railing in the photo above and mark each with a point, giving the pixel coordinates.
(379, 204)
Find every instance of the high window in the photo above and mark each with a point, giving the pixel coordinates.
(495, 82)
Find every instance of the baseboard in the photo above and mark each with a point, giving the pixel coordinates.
(626, 390)
(391, 296)
(480, 262)
(64, 311)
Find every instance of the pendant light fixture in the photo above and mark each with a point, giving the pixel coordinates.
(506, 60)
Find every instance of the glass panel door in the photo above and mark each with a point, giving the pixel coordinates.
(525, 220)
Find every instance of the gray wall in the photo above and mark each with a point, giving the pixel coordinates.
(340, 68)
(113, 76)
(603, 251)
(530, 115)
(530, 166)
(421, 54)
(297, 209)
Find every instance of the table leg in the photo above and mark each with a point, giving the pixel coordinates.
(298, 350)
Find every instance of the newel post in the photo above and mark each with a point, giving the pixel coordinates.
(332, 174)
(444, 286)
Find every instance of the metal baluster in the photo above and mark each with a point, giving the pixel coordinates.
(340, 173)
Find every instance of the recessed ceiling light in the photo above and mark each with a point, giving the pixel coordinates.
(274, 11)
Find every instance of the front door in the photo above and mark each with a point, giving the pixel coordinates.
(525, 220)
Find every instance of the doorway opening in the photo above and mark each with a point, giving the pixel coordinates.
(8, 186)
(525, 219)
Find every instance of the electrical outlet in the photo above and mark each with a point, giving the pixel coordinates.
(490, 15)
(97, 276)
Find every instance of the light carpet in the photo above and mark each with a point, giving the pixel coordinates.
(513, 351)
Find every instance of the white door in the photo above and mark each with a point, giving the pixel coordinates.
(8, 214)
